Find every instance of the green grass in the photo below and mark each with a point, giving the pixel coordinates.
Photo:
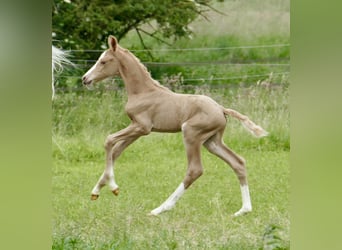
(151, 168)
(86, 118)
(202, 218)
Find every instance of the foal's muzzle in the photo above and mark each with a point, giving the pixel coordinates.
(86, 81)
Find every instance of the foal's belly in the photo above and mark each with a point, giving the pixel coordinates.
(166, 122)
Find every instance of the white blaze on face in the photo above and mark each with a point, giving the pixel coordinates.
(91, 70)
(91, 73)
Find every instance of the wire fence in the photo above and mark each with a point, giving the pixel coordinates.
(276, 67)
(81, 63)
(214, 78)
(196, 49)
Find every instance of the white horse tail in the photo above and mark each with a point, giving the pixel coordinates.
(59, 58)
(256, 130)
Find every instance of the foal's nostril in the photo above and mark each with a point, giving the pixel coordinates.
(84, 80)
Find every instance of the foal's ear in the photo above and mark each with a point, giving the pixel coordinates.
(112, 43)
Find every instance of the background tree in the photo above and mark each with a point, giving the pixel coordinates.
(84, 24)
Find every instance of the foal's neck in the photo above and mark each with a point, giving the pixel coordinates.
(134, 74)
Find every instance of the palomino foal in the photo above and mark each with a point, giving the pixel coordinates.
(152, 107)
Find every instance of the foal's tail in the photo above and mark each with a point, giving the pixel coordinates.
(256, 130)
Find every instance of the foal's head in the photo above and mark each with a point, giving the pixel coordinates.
(106, 66)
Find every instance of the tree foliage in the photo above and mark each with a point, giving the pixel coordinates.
(84, 24)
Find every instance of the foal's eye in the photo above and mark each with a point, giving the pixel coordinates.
(103, 62)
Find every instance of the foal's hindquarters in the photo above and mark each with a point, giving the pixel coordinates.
(206, 126)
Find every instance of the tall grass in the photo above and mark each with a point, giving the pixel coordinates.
(91, 116)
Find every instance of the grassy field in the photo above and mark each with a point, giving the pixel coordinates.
(151, 168)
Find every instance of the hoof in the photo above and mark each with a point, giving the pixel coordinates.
(156, 211)
(94, 197)
(242, 211)
(115, 192)
(152, 214)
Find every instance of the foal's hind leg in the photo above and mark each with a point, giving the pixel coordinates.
(216, 146)
(193, 145)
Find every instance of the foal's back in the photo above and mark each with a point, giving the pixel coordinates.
(169, 111)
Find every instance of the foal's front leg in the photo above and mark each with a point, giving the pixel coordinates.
(115, 145)
(106, 177)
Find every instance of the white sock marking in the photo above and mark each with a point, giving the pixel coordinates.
(246, 201)
(171, 201)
